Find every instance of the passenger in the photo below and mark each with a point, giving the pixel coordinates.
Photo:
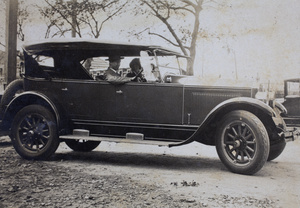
(136, 71)
(111, 74)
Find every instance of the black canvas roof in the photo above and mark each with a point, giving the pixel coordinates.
(86, 48)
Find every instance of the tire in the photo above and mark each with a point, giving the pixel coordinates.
(11, 90)
(34, 133)
(242, 142)
(276, 149)
(82, 145)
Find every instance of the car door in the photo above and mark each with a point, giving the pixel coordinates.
(160, 103)
(86, 99)
(91, 100)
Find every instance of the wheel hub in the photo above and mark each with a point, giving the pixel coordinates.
(30, 133)
(237, 143)
(240, 143)
(35, 131)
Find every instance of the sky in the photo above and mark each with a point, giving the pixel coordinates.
(251, 40)
(260, 37)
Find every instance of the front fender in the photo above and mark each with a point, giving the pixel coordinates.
(252, 105)
(243, 101)
(25, 99)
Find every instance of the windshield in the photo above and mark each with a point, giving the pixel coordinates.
(171, 65)
(156, 68)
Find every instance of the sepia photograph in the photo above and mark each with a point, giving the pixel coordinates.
(149, 103)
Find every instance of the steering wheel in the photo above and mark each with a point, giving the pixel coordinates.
(138, 74)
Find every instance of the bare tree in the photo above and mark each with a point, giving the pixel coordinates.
(172, 14)
(23, 16)
(79, 15)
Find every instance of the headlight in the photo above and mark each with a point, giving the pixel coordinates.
(278, 107)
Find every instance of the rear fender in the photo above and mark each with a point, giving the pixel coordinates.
(25, 99)
(264, 112)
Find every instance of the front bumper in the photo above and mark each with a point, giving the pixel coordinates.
(290, 134)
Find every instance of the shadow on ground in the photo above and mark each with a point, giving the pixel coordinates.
(144, 160)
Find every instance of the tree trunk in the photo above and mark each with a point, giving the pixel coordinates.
(191, 61)
(74, 19)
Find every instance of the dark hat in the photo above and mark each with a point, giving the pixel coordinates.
(114, 58)
(135, 61)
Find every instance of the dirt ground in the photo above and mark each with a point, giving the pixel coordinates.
(123, 175)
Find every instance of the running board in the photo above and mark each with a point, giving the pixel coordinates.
(118, 140)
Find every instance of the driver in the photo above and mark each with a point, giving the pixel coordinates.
(136, 71)
(111, 74)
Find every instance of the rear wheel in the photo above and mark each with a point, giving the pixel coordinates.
(82, 145)
(242, 142)
(34, 132)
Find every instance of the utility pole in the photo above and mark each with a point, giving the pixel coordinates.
(11, 41)
(74, 18)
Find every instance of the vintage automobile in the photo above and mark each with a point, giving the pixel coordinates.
(58, 100)
(291, 101)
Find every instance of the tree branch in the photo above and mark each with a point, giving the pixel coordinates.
(188, 2)
(161, 36)
(110, 16)
(183, 8)
(61, 14)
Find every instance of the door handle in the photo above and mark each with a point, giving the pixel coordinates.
(119, 92)
(64, 89)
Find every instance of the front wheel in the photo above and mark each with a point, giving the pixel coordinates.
(242, 142)
(34, 133)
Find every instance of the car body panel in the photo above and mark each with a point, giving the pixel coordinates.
(200, 100)
(168, 111)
